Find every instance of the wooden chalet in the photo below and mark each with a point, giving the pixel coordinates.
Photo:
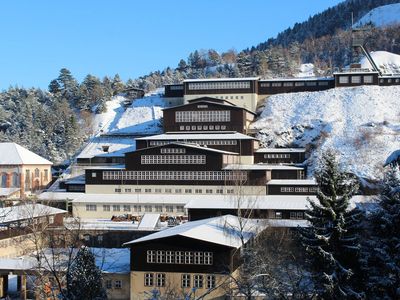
(196, 257)
(207, 114)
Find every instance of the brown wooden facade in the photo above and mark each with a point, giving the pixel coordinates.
(280, 156)
(291, 189)
(195, 214)
(241, 146)
(276, 86)
(214, 161)
(173, 90)
(251, 89)
(223, 256)
(348, 79)
(239, 117)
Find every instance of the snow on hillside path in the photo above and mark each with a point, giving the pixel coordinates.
(103, 122)
(361, 123)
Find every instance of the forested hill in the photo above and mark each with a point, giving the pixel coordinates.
(325, 23)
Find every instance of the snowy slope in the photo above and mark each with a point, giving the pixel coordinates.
(103, 122)
(142, 117)
(388, 63)
(362, 123)
(381, 16)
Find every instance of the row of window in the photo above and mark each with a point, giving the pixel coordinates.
(176, 175)
(117, 284)
(229, 97)
(175, 191)
(176, 87)
(298, 189)
(295, 83)
(199, 142)
(276, 155)
(137, 208)
(159, 279)
(179, 257)
(173, 159)
(390, 80)
(294, 215)
(220, 85)
(202, 127)
(173, 150)
(356, 79)
(203, 116)
(14, 180)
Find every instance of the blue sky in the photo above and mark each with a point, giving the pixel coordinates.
(131, 38)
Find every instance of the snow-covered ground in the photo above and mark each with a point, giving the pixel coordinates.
(388, 63)
(381, 16)
(362, 123)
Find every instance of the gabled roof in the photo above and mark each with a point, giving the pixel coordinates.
(210, 100)
(223, 230)
(193, 146)
(14, 154)
(191, 135)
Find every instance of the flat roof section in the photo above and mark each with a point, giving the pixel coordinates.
(221, 79)
(266, 167)
(280, 150)
(292, 182)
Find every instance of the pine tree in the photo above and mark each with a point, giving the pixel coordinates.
(381, 251)
(117, 85)
(84, 278)
(331, 239)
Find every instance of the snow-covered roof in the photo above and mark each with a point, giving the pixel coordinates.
(287, 223)
(280, 150)
(215, 101)
(193, 146)
(117, 147)
(291, 182)
(265, 202)
(5, 192)
(149, 221)
(187, 136)
(99, 224)
(261, 167)
(27, 211)
(14, 154)
(221, 79)
(223, 230)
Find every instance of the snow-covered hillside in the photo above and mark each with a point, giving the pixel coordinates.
(388, 63)
(362, 123)
(381, 16)
(142, 117)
